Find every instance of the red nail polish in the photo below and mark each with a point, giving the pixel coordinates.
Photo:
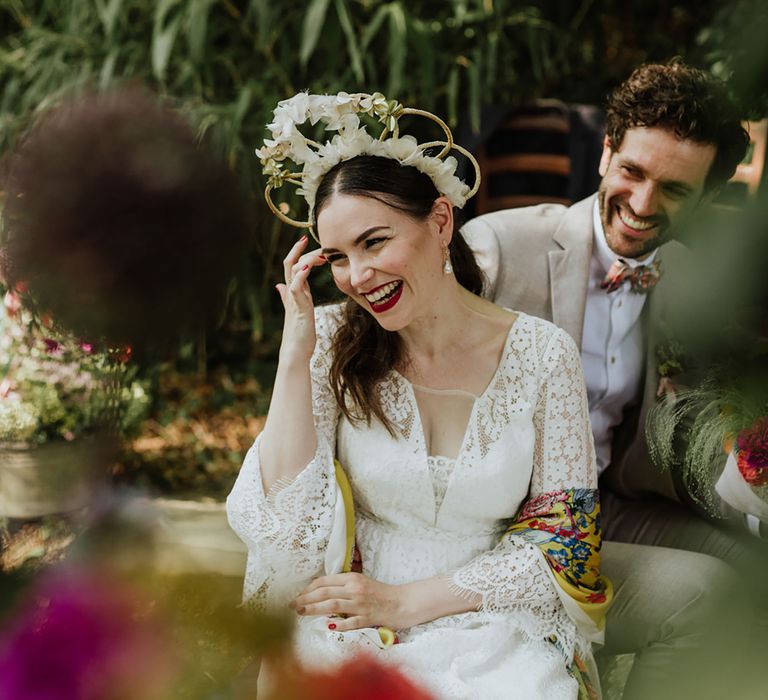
(306, 267)
(303, 238)
(332, 626)
(321, 257)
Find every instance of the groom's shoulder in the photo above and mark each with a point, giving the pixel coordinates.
(538, 216)
(530, 227)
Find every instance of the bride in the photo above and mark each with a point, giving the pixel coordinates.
(462, 427)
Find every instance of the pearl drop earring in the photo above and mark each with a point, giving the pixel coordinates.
(447, 267)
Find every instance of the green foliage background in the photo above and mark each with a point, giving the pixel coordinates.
(225, 63)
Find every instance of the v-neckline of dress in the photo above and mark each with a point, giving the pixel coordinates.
(477, 397)
(418, 428)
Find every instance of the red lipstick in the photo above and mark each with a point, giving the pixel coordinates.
(389, 302)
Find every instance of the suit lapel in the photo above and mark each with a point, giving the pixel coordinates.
(569, 268)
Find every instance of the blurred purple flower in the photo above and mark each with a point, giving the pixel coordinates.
(137, 244)
(83, 635)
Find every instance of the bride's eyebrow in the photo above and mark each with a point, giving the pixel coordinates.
(359, 239)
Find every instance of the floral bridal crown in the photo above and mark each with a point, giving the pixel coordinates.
(340, 113)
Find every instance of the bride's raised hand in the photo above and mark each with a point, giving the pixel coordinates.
(299, 325)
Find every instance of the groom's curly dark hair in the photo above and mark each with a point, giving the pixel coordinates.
(687, 101)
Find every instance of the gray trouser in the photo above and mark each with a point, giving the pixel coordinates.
(695, 623)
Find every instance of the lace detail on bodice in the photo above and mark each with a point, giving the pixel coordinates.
(440, 470)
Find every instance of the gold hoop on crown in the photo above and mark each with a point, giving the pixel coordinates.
(283, 217)
(422, 113)
(455, 147)
(340, 113)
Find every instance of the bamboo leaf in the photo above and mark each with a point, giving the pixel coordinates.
(198, 28)
(108, 11)
(397, 48)
(163, 37)
(475, 90)
(263, 11)
(491, 62)
(424, 46)
(373, 26)
(241, 107)
(452, 94)
(352, 46)
(533, 52)
(108, 69)
(313, 25)
(204, 124)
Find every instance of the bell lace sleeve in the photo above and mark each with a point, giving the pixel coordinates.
(545, 565)
(286, 530)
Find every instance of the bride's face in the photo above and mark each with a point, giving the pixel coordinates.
(389, 263)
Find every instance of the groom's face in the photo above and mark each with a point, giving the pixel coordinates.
(650, 184)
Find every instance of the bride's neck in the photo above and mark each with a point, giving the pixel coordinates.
(448, 323)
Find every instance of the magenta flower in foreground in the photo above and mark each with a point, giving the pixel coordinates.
(752, 457)
(83, 635)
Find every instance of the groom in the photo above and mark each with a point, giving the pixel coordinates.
(600, 269)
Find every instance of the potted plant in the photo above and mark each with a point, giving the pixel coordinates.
(63, 403)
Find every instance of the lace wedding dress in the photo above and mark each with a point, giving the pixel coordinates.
(420, 516)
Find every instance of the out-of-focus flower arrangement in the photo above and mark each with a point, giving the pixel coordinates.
(54, 387)
(715, 431)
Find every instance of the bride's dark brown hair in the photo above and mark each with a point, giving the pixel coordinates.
(362, 351)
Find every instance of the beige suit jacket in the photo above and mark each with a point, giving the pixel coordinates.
(536, 260)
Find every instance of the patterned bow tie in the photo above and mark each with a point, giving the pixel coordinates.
(642, 278)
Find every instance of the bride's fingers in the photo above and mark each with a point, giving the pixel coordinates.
(314, 258)
(332, 606)
(347, 624)
(297, 284)
(293, 256)
(330, 580)
(321, 594)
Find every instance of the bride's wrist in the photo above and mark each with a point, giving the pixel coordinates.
(410, 606)
(430, 599)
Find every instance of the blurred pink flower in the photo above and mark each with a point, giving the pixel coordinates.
(83, 634)
(12, 303)
(6, 387)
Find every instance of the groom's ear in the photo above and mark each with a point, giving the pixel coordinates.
(605, 157)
